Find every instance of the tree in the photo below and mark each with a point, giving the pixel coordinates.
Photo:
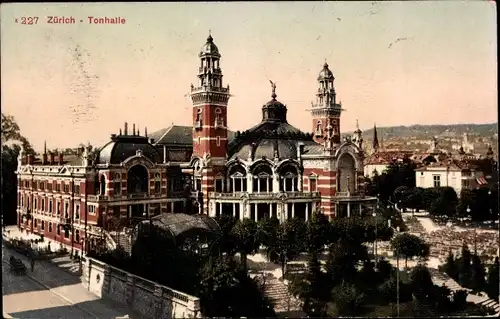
(226, 242)
(318, 231)
(421, 282)
(478, 274)
(409, 246)
(460, 299)
(492, 287)
(465, 266)
(288, 244)
(245, 235)
(347, 300)
(451, 267)
(314, 294)
(12, 141)
(227, 291)
(268, 228)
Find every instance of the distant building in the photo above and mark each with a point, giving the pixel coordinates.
(380, 161)
(458, 174)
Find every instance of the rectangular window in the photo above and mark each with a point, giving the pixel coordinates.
(43, 225)
(91, 209)
(218, 185)
(50, 205)
(66, 233)
(66, 188)
(49, 187)
(59, 229)
(36, 204)
(43, 204)
(77, 189)
(436, 180)
(313, 185)
(50, 227)
(158, 187)
(218, 140)
(77, 211)
(66, 208)
(58, 208)
(36, 223)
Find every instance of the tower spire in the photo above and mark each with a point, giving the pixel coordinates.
(375, 144)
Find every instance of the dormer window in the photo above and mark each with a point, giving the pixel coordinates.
(219, 122)
(318, 132)
(198, 123)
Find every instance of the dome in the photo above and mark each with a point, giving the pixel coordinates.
(274, 111)
(122, 147)
(325, 73)
(209, 48)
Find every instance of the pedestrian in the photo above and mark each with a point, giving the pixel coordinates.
(32, 264)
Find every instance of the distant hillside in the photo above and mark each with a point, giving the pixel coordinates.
(428, 131)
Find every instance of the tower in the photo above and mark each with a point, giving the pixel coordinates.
(326, 111)
(357, 137)
(375, 144)
(210, 100)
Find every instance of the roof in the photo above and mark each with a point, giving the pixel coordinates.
(386, 158)
(122, 147)
(450, 165)
(325, 73)
(179, 135)
(179, 224)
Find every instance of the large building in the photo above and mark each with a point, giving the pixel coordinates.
(271, 169)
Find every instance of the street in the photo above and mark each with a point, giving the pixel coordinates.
(29, 296)
(25, 298)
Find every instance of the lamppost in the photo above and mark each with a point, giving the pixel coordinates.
(375, 241)
(397, 277)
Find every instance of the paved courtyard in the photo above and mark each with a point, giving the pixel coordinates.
(50, 292)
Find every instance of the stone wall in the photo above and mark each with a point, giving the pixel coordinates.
(145, 297)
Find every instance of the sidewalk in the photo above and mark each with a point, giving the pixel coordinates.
(69, 287)
(63, 262)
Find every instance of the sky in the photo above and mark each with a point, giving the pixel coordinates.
(76, 83)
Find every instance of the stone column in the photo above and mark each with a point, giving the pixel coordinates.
(285, 209)
(276, 183)
(271, 210)
(279, 211)
(249, 183)
(348, 209)
(293, 210)
(360, 209)
(307, 212)
(234, 210)
(256, 215)
(247, 210)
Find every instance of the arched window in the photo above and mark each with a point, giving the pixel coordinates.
(219, 122)
(289, 178)
(318, 131)
(347, 174)
(262, 178)
(238, 179)
(117, 184)
(102, 185)
(77, 236)
(137, 180)
(199, 122)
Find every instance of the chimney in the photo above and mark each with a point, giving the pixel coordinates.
(133, 129)
(138, 131)
(120, 132)
(146, 132)
(300, 150)
(125, 129)
(61, 159)
(52, 158)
